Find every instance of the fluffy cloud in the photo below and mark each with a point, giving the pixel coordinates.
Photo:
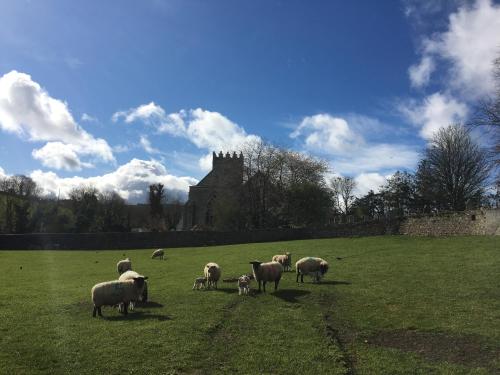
(30, 112)
(2, 173)
(146, 145)
(207, 130)
(369, 181)
(469, 46)
(326, 133)
(59, 155)
(130, 180)
(349, 151)
(88, 118)
(436, 111)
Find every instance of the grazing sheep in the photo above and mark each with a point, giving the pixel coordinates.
(285, 260)
(212, 273)
(243, 285)
(315, 267)
(159, 253)
(111, 293)
(130, 275)
(200, 283)
(264, 272)
(124, 265)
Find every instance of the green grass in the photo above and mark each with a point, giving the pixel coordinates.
(393, 305)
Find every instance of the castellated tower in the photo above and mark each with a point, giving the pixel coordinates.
(221, 185)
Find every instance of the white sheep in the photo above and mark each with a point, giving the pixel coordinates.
(243, 285)
(285, 260)
(111, 293)
(315, 267)
(130, 275)
(264, 272)
(212, 273)
(159, 253)
(124, 265)
(200, 283)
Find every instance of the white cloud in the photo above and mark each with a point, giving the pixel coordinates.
(59, 155)
(327, 133)
(130, 180)
(369, 181)
(435, 112)
(88, 118)
(344, 143)
(470, 44)
(2, 173)
(207, 130)
(146, 145)
(420, 74)
(32, 114)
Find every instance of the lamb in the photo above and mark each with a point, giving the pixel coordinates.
(315, 267)
(212, 273)
(264, 272)
(159, 253)
(285, 260)
(200, 283)
(130, 275)
(124, 265)
(111, 293)
(243, 285)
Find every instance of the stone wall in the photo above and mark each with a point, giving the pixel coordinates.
(95, 241)
(479, 222)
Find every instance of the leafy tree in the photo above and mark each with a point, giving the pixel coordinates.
(113, 216)
(343, 189)
(85, 207)
(156, 200)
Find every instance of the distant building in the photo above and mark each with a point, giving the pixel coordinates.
(224, 181)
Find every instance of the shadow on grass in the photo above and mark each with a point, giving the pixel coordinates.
(138, 315)
(290, 295)
(227, 290)
(333, 282)
(149, 304)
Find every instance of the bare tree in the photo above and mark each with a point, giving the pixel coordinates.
(343, 188)
(454, 170)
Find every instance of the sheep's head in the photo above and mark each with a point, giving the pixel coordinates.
(323, 267)
(255, 264)
(139, 281)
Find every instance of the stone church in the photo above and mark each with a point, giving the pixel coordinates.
(224, 181)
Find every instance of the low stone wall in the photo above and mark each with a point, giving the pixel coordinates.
(96, 241)
(479, 222)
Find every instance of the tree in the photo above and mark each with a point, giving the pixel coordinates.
(85, 207)
(113, 217)
(156, 200)
(453, 171)
(399, 193)
(343, 188)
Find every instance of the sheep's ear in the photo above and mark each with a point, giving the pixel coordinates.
(145, 277)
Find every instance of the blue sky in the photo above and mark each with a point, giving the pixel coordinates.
(120, 94)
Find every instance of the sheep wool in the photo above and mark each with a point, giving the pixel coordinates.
(264, 272)
(111, 293)
(199, 283)
(124, 265)
(212, 273)
(315, 267)
(285, 260)
(130, 275)
(159, 253)
(243, 285)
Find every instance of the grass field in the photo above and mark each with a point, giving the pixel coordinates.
(393, 305)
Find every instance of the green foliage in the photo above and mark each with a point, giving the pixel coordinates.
(382, 286)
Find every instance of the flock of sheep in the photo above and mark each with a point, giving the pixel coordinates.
(132, 286)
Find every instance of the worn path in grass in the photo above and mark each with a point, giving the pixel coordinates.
(394, 305)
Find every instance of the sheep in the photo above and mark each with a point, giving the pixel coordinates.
(315, 267)
(111, 293)
(159, 253)
(212, 273)
(285, 260)
(243, 285)
(130, 275)
(200, 283)
(124, 265)
(264, 272)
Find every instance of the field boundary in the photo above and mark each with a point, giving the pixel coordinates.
(144, 240)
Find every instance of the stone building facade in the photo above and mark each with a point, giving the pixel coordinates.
(223, 182)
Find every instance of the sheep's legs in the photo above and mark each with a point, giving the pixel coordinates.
(264, 285)
(94, 312)
(276, 284)
(125, 308)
